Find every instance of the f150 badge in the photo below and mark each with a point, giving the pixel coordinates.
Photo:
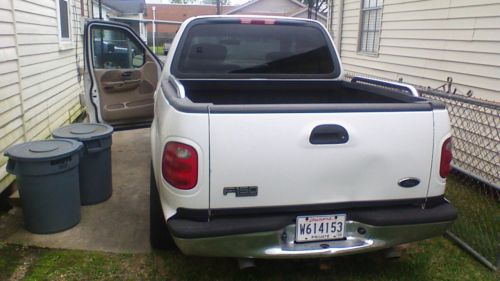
(241, 191)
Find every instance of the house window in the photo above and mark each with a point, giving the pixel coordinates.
(371, 21)
(64, 19)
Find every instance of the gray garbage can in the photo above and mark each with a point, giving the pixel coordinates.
(47, 173)
(95, 165)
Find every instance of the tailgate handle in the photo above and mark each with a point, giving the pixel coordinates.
(329, 134)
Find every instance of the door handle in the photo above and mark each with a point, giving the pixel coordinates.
(329, 134)
(127, 73)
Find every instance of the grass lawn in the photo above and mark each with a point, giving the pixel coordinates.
(434, 259)
(478, 222)
(159, 49)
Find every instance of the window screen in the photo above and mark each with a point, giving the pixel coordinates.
(64, 19)
(235, 49)
(371, 21)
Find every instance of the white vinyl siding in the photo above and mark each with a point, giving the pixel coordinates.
(424, 42)
(39, 83)
(11, 126)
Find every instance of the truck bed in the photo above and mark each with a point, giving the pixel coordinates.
(238, 92)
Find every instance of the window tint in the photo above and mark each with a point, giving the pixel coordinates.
(114, 48)
(63, 19)
(233, 48)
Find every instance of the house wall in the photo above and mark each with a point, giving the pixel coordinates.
(108, 13)
(424, 42)
(286, 8)
(304, 15)
(39, 77)
(177, 12)
(281, 7)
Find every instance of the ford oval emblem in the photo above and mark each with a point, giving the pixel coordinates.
(408, 182)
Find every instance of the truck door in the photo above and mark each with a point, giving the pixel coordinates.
(121, 75)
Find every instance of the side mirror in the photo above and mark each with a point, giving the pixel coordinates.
(111, 48)
(137, 60)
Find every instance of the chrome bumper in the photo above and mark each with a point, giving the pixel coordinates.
(281, 243)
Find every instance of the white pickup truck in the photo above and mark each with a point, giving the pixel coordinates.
(261, 150)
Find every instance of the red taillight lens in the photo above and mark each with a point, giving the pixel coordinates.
(180, 165)
(446, 156)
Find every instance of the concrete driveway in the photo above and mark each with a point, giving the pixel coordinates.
(120, 224)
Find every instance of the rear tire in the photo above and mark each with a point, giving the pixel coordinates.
(159, 236)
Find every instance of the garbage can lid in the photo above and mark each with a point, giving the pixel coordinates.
(83, 131)
(43, 150)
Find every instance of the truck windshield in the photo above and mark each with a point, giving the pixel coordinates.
(236, 49)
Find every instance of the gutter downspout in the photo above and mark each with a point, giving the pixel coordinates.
(340, 24)
(218, 7)
(329, 19)
(100, 10)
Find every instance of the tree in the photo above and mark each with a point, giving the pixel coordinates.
(315, 7)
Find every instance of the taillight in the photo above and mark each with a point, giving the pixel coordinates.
(446, 156)
(180, 165)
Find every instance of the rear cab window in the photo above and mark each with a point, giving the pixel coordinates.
(266, 48)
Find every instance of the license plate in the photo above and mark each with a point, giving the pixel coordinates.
(318, 228)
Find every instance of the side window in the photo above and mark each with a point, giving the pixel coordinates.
(63, 19)
(114, 48)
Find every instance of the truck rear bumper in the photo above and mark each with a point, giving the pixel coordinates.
(280, 243)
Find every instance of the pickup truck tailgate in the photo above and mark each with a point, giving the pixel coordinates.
(273, 152)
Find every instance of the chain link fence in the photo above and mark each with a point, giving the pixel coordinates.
(476, 134)
(473, 187)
